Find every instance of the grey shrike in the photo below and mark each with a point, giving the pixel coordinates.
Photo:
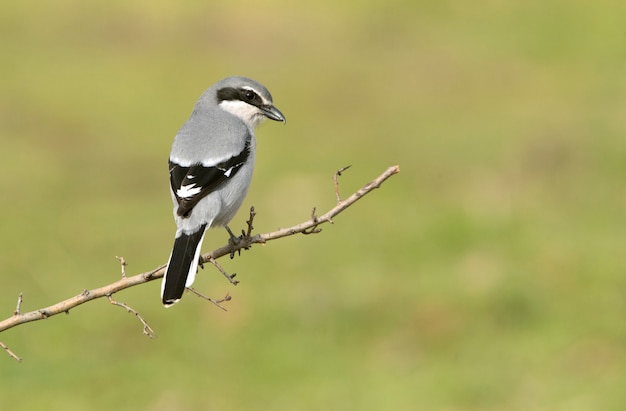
(210, 168)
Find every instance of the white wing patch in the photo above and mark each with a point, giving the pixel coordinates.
(187, 191)
(206, 162)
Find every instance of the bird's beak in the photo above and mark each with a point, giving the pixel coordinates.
(273, 113)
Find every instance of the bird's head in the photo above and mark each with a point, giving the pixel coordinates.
(248, 100)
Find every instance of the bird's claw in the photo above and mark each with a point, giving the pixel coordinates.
(233, 242)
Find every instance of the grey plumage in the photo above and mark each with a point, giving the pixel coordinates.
(211, 165)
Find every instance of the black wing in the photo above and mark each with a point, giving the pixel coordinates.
(191, 184)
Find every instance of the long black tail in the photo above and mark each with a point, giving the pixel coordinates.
(182, 267)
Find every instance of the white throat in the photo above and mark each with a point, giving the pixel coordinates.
(248, 113)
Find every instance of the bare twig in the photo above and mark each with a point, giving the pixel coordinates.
(227, 297)
(11, 353)
(147, 330)
(83, 297)
(19, 305)
(229, 277)
(246, 242)
(314, 229)
(249, 223)
(123, 264)
(327, 217)
(336, 180)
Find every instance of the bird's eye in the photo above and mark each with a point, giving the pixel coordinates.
(249, 95)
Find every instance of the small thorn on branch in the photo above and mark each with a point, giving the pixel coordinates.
(336, 180)
(123, 264)
(11, 353)
(229, 277)
(19, 305)
(147, 330)
(217, 303)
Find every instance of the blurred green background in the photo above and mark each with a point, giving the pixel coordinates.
(487, 275)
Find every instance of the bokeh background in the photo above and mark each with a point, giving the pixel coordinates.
(488, 275)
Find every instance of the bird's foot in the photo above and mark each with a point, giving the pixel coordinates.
(235, 242)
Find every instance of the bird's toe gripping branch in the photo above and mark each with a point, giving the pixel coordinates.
(244, 241)
(233, 242)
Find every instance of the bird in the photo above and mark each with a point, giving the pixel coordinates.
(210, 169)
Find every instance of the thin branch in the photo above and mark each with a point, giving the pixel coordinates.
(249, 223)
(227, 297)
(11, 353)
(83, 297)
(314, 229)
(336, 180)
(19, 305)
(245, 242)
(123, 264)
(147, 330)
(229, 277)
(327, 217)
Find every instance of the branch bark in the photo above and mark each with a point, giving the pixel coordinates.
(308, 227)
